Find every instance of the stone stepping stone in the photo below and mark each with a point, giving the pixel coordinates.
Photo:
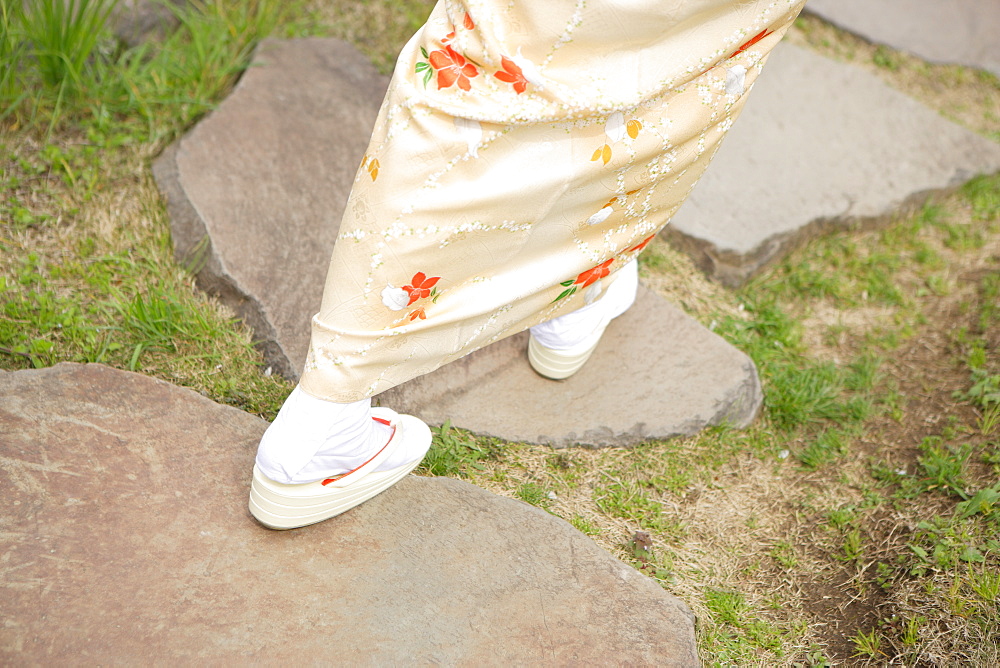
(256, 190)
(255, 193)
(819, 144)
(126, 541)
(942, 31)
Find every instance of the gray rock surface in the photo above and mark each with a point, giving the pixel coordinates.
(255, 193)
(656, 373)
(256, 190)
(819, 143)
(126, 541)
(943, 31)
(136, 21)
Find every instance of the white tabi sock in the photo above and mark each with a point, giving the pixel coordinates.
(578, 328)
(312, 439)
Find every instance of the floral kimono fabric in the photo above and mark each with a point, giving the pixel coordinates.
(524, 152)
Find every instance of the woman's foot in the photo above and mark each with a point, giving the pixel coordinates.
(319, 459)
(560, 347)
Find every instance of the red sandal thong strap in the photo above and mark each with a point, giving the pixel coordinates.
(352, 476)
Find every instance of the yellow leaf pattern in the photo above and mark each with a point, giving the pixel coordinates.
(603, 153)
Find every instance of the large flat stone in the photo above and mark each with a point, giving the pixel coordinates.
(126, 541)
(256, 190)
(255, 194)
(819, 143)
(943, 31)
(656, 373)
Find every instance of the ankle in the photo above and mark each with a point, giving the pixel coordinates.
(311, 439)
(580, 329)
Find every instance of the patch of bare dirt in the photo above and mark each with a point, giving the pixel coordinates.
(837, 614)
(928, 372)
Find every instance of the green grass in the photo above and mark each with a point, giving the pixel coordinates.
(627, 500)
(868, 644)
(63, 37)
(820, 409)
(533, 493)
(738, 631)
(455, 453)
(941, 467)
(983, 195)
(377, 29)
(887, 58)
(66, 70)
(822, 402)
(80, 112)
(829, 446)
(583, 525)
(784, 553)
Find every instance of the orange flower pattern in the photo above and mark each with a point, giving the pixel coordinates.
(448, 61)
(642, 244)
(591, 275)
(512, 74)
(753, 40)
(420, 286)
(371, 166)
(616, 129)
(585, 279)
(452, 68)
(467, 23)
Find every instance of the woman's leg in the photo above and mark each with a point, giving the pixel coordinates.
(525, 153)
(312, 439)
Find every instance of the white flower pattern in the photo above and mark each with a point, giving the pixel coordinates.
(615, 127)
(529, 71)
(395, 299)
(735, 79)
(601, 215)
(471, 132)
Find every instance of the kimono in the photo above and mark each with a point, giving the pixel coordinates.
(525, 151)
